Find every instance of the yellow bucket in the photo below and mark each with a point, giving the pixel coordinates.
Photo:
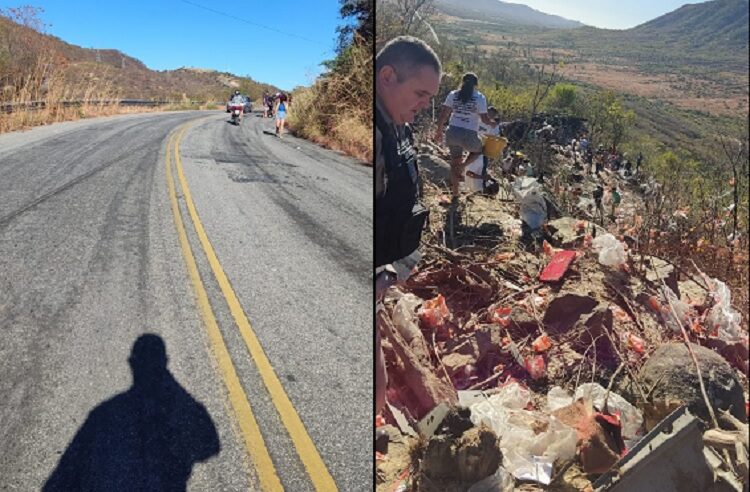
(494, 146)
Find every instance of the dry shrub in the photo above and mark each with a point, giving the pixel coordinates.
(40, 83)
(304, 117)
(337, 110)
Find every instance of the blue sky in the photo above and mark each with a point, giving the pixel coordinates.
(277, 42)
(608, 14)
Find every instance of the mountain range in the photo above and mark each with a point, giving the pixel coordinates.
(504, 12)
(124, 75)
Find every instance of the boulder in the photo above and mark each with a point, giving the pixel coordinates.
(671, 372)
(437, 170)
(470, 458)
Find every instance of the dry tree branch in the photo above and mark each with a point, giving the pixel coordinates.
(692, 356)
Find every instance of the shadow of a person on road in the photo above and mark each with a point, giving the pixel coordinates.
(146, 438)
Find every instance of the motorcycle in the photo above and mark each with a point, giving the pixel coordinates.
(236, 110)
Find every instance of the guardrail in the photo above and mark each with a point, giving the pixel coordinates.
(37, 105)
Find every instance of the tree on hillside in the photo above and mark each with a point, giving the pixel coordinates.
(356, 34)
(360, 12)
(405, 18)
(607, 117)
(563, 99)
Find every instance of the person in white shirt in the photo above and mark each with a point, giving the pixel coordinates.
(465, 106)
(476, 169)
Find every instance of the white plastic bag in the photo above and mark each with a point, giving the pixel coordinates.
(611, 251)
(630, 416)
(529, 456)
(558, 398)
(526, 454)
(529, 195)
(500, 481)
(723, 318)
(494, 411)
(667, 297)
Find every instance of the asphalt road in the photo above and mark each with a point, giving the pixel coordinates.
(91, 260)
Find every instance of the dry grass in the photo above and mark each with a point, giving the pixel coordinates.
(35, 68)
(337, 110)
(34, 72)
(46, 83)
(691, 93)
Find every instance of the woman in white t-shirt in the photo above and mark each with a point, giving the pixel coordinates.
(465, 106)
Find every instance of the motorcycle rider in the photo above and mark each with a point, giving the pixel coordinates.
(238, 100)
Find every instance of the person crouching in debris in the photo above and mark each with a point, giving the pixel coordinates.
(477, 177)
(530, 197)
(407, 76)
(510, 164)
(465, 107)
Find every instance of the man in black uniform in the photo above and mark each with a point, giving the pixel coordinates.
(407, 78)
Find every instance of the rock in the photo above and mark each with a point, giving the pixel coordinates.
(593, 327)
(522, 322)
(691, 291)
(565, 234)
(437, 170)
(670, 370)
(455, 361)
(489, 339)
(658, 269)
(564, 311)
(470, 458)
(599, 448)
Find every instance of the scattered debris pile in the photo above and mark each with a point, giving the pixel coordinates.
(550, 366)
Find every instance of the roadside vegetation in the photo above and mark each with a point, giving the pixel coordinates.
(336, 111)
(31, 72)
(40, 77)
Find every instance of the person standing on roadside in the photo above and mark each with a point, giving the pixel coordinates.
(282, 105)
(465, 106)
(265, 104)
(407, 77)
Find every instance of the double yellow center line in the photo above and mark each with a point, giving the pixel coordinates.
(306, 450)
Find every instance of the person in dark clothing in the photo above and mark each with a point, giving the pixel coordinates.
(407, 77)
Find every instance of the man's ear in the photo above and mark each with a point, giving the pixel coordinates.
(387, 75)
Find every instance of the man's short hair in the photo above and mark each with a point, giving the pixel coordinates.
(407, 54)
